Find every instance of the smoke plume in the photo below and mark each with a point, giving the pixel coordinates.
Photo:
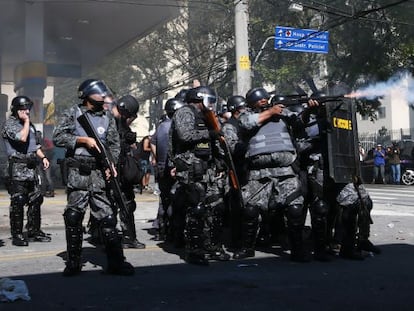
(401, 85)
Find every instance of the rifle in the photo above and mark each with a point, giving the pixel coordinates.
(296, 99)
(105, 158)
(213, 123)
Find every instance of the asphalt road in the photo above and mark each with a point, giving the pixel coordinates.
(164, 282)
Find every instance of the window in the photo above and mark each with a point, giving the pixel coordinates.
(381, 113)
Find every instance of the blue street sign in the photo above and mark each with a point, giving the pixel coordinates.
(301, 46)
(301, 40)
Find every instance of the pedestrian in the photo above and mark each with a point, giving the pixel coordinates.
(87, 183)
(144, 159)
(394, 160)
(23, 152)
(379, 164)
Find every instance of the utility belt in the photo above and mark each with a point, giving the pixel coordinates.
(195, 167)
(30, 160)
(85, 165)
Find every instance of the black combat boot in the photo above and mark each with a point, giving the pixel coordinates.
(34, 233)
(364, 226)
(249, 231)
(366, 245)
(129, 239)
(214, 248)
(319, 232)
(74, 251)
(115, 254)
(16, 227)
(297, 252)
(348, 245)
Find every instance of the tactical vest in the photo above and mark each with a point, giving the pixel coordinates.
(28, 147)
(271, 137)
(201, 150)
(100, 124)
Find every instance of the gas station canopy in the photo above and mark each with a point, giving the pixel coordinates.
(68, 36)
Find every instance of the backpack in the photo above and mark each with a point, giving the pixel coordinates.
(131, 172)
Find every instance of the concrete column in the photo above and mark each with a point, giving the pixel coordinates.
(30, 77)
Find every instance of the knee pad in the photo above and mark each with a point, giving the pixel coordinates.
(109, 232)
(251, 211)
(295, 212)
(19, 200)
(319, 208)
(197, 211)
(72, 218)
(108, 222)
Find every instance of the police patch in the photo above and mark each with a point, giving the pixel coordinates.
(100, 130)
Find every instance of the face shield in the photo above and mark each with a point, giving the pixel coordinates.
(209, 101)
(98, 87)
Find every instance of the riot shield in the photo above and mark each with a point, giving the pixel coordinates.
(342, 141)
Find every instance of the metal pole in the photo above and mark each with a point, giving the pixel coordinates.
(243, 71)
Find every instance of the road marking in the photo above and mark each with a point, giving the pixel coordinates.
(390, 213)
(6, 258)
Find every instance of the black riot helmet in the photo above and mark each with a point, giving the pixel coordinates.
(93, 86)
(256, 94)
(128, 106)
(172, 105)
(236, 102)
(181, 95)
(222, 108)
(202, 94)
(20, 103)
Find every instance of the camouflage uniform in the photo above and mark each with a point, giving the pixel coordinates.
(355, 223)
(192, 152)
(231, 131)
(273, 183)
(86, 185)
(23, 181)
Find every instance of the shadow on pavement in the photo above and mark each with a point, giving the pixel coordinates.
(383, 282)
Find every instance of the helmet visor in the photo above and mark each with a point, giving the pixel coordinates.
(98, 87)
(209, 101)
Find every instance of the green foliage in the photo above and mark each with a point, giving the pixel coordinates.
(367, 44)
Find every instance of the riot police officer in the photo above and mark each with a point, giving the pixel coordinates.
(159, 147)
(23, 151)
(87, 178)
(125, 112)
(273, 183)
(192, 151)
(231, 129)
